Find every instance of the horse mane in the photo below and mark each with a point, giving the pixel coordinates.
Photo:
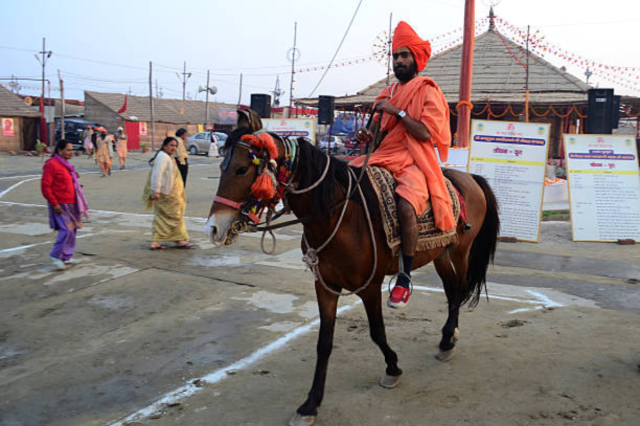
(311, 165)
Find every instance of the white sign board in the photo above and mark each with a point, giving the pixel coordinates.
(292, 127)
(512, 157)
(458, 159)
(604, 187)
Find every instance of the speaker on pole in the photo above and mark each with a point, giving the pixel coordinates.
(261, 104)
(600, 118)
(326, 105)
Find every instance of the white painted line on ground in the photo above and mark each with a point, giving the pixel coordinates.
(219, 375)
(19, 177)
(9, 203)
(6, 191)
(517, 311)
(38, 244)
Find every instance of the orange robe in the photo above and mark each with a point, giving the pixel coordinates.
(414, 164)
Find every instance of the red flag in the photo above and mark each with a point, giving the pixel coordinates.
(124, 106)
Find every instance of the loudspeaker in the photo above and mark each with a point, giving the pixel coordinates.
(326, 105)
(600, 117)
(261, 104)
(615, 112)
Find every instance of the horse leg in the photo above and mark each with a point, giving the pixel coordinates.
(453, 273)
(308, 411)
(372, 299)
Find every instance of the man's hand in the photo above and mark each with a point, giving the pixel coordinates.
(386, 106)
(57, 209)
(155, 196)
(364, 135)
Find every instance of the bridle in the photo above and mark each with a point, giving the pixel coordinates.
(252, 209)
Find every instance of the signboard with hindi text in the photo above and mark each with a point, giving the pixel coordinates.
(512, 157)
(604, 187)
(291, 127)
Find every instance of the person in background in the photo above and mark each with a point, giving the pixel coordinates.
(66, 203)
(94, 142)
(213, 145)
(182, 158)
(165, 191)
(87, 134)
(104, 152)
(121, 146)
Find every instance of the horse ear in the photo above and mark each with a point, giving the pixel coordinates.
(256, 122)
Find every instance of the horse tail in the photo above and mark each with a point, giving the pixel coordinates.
(483, 248)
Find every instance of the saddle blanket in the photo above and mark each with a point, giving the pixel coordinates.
(429, 237)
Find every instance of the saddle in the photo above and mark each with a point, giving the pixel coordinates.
(429, 237)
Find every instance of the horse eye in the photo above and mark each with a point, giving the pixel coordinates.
(242, 171)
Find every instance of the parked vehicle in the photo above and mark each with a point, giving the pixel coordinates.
(199, 143)
(73, 128)
(222, 139)
(334, 144)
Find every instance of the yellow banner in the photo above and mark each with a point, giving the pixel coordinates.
(504, 161)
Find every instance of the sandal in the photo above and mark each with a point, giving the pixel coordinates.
(160, 247)
(184, 246)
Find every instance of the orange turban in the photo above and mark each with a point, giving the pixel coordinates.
(404, 36)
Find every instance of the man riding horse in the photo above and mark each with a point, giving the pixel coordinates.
(417, 117)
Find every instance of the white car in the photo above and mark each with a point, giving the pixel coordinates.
(332, 143)
(200, 143)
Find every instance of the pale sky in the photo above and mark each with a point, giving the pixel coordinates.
(106, 46)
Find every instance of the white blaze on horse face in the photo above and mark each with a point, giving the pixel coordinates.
(218, 226)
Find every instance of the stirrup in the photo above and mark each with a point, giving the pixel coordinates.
(396, 276)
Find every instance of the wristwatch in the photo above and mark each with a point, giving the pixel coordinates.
(401, 114)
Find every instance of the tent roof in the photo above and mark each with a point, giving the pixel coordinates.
(164, 110)
(499, 74)
(12, 105)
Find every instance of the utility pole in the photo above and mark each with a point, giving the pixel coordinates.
(153, 130)
(293, 67)
(46, 54)
(63, 134)
(185, 76)
(206, 105)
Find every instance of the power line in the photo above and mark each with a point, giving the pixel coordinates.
(337, 50)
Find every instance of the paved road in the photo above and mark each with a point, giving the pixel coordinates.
(97, 342)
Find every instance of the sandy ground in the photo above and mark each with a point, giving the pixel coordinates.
(557, 343)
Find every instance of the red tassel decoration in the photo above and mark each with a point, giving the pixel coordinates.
(264, 187)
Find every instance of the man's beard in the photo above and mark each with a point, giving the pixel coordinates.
(405, 74)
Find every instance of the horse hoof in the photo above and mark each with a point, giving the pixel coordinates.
(300, 420)
(445, 356)
(390, 382)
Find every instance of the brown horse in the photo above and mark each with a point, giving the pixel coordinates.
(462, 265)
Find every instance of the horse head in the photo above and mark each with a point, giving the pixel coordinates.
(249, 183)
